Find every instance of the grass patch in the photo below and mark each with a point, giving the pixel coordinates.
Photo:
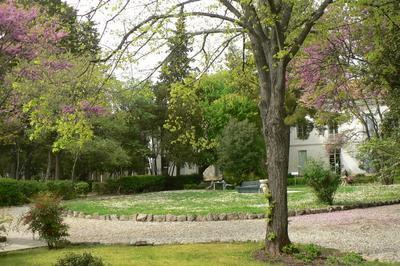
(203, 202)
(249, 253)
(195, 254)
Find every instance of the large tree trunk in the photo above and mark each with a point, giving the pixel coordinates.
(271, 75)
(277, 136)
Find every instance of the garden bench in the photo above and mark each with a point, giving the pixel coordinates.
(347, 180)
(249, 187)
(223, 182)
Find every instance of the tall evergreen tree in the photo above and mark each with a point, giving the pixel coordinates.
(174, 69)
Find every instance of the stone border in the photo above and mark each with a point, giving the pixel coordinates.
(141, 217)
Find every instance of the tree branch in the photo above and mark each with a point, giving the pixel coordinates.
(307, 28)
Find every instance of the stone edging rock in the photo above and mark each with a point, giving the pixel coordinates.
(217, 217)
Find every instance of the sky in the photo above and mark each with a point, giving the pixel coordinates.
(139, 65)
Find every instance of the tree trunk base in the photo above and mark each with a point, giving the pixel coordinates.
(275, 247)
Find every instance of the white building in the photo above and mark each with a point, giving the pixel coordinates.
(327, 145)
(335, 145)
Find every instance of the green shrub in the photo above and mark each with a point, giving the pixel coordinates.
(16, 192)
(11, 192)
(63, 188)
(290, 249)
(45, 218)
(349, 259)
(112, 186)
(85, 259)
(296, 181)
(308, 253)
(179, 182)
(29, 188)
(202, 185)
(363, 179)
(144, 183)
(322, 180)
(99, 187)
(82, 188)
(237, 180)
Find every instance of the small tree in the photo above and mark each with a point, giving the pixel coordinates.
(45, 218)
(322, 180)
(241, 151)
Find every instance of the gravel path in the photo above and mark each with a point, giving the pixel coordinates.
(374, 232)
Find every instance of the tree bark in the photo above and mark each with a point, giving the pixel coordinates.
(57, 171)
(277, 136)
(17, 153)
(74, 166)
(178, 169)
(48, 170)
(164, 165)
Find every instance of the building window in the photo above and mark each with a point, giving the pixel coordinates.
(302, 161)
(334, 161)
(333, 128)
(370, 125)
(304, 129)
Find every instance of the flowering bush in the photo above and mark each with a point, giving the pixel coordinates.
(45, 218)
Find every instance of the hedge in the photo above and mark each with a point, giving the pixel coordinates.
(16, 192)
(146, 183)
(180, 182)
(296, 181)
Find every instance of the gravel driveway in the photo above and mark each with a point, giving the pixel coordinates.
(374, 232)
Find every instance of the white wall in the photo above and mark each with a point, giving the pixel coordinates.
(315, 146)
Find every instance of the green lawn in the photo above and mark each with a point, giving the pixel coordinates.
(196, 254)
(204, 201)
(191, 254)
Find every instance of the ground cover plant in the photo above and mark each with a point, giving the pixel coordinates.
(205, 201)
(192, 254)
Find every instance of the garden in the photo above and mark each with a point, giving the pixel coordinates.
(117, 113)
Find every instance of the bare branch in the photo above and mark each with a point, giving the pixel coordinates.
(231, 8)
(307, 28)
(154, 18)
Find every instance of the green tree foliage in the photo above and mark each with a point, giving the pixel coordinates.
(241, 152)
(382, 23)
(175, 69)
(199, 111)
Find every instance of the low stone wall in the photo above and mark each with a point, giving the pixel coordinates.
(141, 217)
